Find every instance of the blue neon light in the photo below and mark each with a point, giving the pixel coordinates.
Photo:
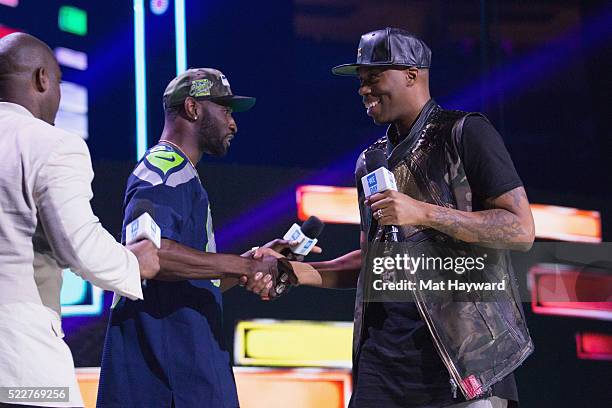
(74, 289)
(180, 36)
(141, 78)
(80, 298)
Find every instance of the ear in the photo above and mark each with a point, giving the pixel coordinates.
(41, 79)
(411, 76)
(191, 109)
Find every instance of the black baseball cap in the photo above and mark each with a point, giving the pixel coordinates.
(205, 84)
(388, 47)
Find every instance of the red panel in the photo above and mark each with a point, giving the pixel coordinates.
(594, 346)
(4, 30)
(563, 291)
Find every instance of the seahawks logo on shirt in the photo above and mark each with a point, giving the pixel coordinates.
(164, 160)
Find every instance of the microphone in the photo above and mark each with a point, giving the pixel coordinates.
(305, 235)
(143, 226)
(379, 179)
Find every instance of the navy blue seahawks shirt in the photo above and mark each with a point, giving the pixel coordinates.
(168, 348)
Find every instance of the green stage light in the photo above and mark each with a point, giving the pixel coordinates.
(72, 20)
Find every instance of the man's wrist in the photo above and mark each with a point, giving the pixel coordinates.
(427, 214)
(244, 266)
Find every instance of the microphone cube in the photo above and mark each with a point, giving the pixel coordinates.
(143, 227)
(305, 244)
(378, 181)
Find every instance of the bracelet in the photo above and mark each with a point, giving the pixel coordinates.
(286, 275)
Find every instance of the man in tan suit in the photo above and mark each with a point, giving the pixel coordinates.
(46, 225)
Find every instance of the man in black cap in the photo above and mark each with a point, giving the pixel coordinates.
(456, 185)
(167, 350)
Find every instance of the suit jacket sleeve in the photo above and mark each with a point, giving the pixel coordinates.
(62, 193)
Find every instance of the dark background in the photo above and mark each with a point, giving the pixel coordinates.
(540, 70)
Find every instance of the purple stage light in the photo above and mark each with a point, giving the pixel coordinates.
(521, 73)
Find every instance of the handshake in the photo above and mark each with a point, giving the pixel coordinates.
(261, 270)
(264, 271)
(275, 275)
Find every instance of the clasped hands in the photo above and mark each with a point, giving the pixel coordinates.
(273, 275)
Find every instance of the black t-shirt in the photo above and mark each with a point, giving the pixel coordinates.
(398, 365)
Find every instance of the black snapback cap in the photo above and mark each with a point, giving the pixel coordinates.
(388, 47)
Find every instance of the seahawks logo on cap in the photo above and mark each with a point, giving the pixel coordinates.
(200, 87)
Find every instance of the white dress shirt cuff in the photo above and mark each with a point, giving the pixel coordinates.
(132, 287)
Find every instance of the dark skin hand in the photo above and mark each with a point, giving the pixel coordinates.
(508, 223)
(256, 270)
(339, 273)
(272, 248)
(179, 262)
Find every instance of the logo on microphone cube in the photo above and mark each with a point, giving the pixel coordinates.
(308, 244)
(378, 181)
(295, 235)
(144, 227)
(305, 246)
(372, 183)
(134, 229)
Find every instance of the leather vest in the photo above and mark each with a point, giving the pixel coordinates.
(480, 341)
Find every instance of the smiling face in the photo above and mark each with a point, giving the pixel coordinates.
(385, 93)
(217, 128)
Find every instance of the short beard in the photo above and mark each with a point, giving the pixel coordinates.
(206, 145)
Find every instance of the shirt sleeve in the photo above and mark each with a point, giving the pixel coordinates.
(165, 204)
(488, 166)
(62, 193)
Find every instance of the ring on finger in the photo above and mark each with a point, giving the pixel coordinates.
(379, 213)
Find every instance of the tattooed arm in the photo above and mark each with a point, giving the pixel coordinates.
(507, 223)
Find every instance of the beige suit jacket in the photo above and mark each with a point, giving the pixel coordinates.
(46, 225)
